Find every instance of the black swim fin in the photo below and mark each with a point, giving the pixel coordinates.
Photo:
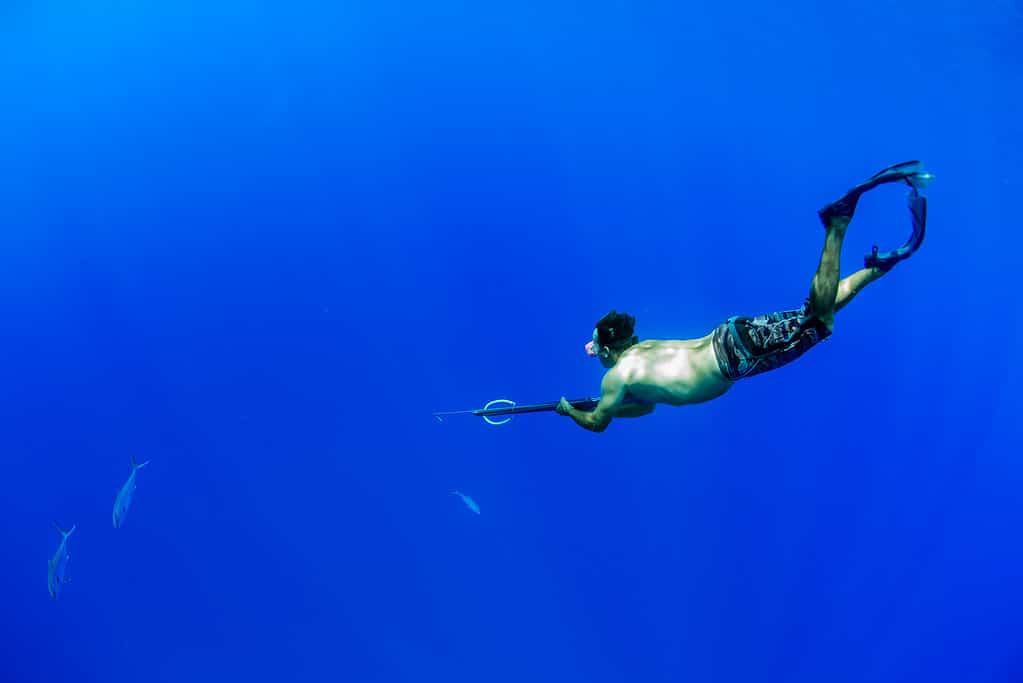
(885, 261)
(909, 171)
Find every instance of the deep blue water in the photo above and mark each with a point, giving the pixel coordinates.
(259, 245)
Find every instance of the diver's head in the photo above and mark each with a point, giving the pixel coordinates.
(611, 337)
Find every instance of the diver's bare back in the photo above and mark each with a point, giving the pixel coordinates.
(672, 371)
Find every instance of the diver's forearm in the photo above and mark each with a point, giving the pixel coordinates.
(585, 420)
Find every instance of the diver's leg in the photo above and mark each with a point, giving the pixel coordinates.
(851, 285)
(824, 289)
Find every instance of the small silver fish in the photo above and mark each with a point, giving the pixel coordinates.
(469, 502)
(123, 501)
(56, 573)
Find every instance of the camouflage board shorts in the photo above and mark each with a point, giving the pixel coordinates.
(749, 346)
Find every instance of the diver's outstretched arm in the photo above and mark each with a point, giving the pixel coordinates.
(612, 399)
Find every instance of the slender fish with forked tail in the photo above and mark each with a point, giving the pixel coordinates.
(469, 502)
(56, 574)
(123, 501)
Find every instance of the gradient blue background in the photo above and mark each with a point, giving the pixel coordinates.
(259, 245)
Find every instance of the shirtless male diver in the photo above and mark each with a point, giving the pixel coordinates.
(682, 371)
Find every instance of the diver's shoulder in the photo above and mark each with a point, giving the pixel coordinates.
(630, 363)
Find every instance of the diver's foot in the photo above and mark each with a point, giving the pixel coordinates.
(840, 212)
(884, 262)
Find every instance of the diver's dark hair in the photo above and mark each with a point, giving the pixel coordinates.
(615, 330)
